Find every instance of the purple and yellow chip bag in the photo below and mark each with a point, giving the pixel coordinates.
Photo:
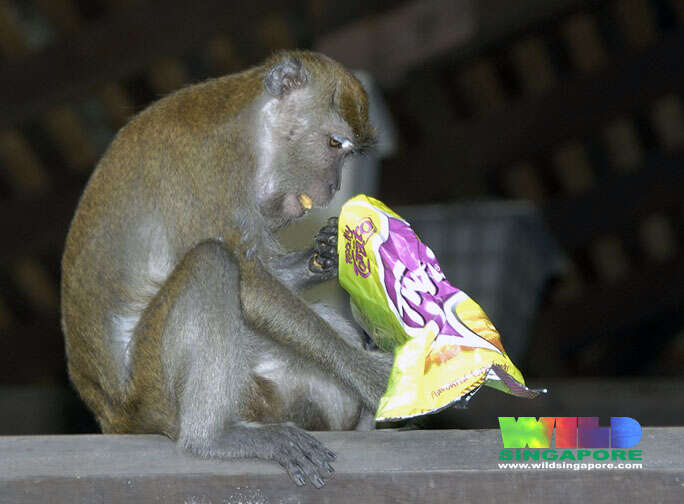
(445, 347)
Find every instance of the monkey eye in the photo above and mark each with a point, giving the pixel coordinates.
(339, 142)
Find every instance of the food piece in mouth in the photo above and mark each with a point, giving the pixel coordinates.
(306, 201)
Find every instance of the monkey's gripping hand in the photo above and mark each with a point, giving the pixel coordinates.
(323, 261)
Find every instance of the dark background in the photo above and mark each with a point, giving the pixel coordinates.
(573, 105)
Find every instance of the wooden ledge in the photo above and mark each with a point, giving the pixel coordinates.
(454, 466)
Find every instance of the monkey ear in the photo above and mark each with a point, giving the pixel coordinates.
(285, 76)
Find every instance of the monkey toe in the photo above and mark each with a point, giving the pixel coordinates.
(316, 450)
(303, 457)
(295, 472)
(311, 471)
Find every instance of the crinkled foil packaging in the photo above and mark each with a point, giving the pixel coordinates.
(445, 347)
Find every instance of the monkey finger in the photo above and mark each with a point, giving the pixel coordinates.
(321, 243)
(332, 240)
(329, 230)
(327, 263)
(327, 253)
(314, 265)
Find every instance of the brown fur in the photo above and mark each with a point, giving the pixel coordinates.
(169, 276)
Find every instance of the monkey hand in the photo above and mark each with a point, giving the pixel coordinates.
(323, 262)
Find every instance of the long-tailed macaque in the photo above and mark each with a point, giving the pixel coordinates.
(179, 306)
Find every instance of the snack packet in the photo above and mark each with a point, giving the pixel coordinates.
(445, 347)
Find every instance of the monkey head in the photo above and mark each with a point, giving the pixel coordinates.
(312, 116)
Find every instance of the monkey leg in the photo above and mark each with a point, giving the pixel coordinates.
(350, 332)
(291, 322)
(354, 336)
(205, 360)
(292, 269)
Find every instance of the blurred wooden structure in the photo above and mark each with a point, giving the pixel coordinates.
(654, 402)
(73, 72)
(432, 466)
(584, 116)
(573, 104)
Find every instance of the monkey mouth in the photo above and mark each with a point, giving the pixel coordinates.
(306, 201)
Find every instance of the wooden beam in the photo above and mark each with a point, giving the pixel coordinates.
(652, 401)
(34, 352)
(377, 466)
(111, 49)
(39, 226)
(577, 108)
(430, 30)
(618, 202)
(129, 40)
(602, 311)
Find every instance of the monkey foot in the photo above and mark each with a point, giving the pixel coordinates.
(303, 456)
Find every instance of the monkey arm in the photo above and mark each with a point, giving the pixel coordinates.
(292, 269)
(291, 322)
(304, 268)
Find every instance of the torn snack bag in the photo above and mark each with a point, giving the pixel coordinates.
(445, 347)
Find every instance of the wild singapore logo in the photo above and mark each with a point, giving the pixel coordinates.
(576, 439)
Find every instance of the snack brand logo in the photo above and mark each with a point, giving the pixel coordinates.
(355, 246)
(413, 291)
(571, 432)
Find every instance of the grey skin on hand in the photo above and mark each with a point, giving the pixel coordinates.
(323, 261)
